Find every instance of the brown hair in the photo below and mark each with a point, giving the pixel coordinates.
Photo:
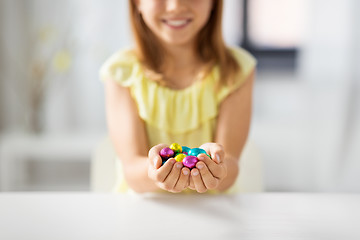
(210, 44)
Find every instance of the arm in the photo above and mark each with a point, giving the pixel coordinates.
(127, 131)
(231, 134)
(233, 128)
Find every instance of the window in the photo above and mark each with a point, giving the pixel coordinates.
(273, 30)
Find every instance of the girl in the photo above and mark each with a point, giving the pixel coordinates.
(179, 84)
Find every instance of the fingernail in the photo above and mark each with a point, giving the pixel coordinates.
(218, 158)
(155, 161)
(185, 172)
(178, 165)
(195, 173)
(200, 166)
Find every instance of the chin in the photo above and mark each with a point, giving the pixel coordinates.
(178, 42)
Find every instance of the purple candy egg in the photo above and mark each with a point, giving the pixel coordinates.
(166, 153)
(190, 161)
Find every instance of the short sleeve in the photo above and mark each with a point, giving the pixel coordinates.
(121, 67)
(246, 62)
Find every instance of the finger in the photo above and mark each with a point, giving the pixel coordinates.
(173, 176)
(154, 155)
(156, 162)
(183, 181)
(217, 170)
(155, 150)
(191, 183)
(215, 150)
(198, 182)
(161, 174)
(209, 180)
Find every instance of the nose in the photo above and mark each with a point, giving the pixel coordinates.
(174, 5)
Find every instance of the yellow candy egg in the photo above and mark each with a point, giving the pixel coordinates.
(180, 157)
(176, 148)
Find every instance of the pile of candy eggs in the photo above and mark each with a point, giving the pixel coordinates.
(186, 155)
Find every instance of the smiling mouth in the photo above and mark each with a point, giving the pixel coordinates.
(177, 23)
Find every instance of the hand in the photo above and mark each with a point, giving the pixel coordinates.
(171, 176)
(209, 172)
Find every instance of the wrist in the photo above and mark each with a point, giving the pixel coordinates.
(137, 176)
(231, 165)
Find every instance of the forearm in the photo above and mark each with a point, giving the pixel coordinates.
(136, 175)
(232, 165)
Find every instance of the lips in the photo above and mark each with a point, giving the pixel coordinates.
(177, 23)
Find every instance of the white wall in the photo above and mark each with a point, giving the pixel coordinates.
(328, 70)
(306, 123)
(97, 30)
(232, 18)
(348, 178)
(89, 30)
(13, 60)
(2, 86)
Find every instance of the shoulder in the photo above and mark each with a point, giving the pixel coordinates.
(247, 64)
(121, 56)
(245, 59)
(121, 66)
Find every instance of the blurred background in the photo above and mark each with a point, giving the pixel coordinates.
(306, 119)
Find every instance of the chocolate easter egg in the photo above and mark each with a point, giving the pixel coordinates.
(190, 161)
(176, 148)
(196, 151)
(166, 153)
(179, 157)
(185, 149)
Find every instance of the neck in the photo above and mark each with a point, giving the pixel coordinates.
(181, 65)
(180, 57)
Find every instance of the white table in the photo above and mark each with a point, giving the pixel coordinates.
(106, 216)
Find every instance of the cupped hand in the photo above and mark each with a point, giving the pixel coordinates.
(171, 176)
(209, 172)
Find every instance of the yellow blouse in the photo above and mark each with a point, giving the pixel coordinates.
(187, 116)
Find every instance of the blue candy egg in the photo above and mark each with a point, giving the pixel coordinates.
(185, 149)
(196, 151)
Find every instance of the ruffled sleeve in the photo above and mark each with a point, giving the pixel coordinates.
(121, 67)
(247, 63)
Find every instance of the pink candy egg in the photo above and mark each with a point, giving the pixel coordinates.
(190, 161)
(166, 153)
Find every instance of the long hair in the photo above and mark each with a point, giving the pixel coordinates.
(210, 44)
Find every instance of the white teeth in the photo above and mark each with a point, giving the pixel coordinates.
(176, 23)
